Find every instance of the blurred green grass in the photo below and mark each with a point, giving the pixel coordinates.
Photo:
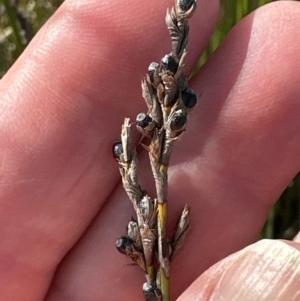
(21, 19)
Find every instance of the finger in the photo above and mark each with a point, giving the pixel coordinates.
(225, 166)
(61, 106)
(240, 151)
(207, 10)
(247, 129)
(266, 271)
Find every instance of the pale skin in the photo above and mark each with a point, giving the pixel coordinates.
(62, 105)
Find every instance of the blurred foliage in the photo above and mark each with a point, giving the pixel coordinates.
(21, 19)
(284, 218)
(231, 12)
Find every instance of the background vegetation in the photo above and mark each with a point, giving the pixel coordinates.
(21, 19)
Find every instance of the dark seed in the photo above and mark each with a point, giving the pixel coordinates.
(151, 293)
(168, 63)
(189, 98)
(153, 72)
(185, 5)
(179, 119)
(124, 244)
(146, 207)
(143, 120)
(117, 149)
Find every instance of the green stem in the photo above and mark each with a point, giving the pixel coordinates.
(14, 23)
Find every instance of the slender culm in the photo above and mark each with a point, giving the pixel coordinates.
(169, 101)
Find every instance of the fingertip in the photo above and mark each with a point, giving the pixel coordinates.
(267, 271)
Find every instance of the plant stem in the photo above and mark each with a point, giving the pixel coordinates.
(14, 23)
(162, 231)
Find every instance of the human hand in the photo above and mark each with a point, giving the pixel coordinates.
(62, 204)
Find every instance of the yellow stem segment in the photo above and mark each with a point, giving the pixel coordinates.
(163, 251)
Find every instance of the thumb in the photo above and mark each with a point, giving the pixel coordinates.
(268, 270)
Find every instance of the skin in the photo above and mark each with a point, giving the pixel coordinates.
(62, 104)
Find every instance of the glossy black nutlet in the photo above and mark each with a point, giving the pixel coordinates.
(117, 149)
(153, 72)
(185, 5)
(189, 98)
(168, 63)
(124, 244)
(151, 293)
(178, 121)
(143, 120)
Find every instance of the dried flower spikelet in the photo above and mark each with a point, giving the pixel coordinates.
(134, 233)
(181, 230)
(126, 246)
(145, 124)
